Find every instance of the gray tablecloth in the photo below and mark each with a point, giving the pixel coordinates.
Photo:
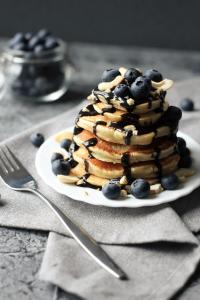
(154, 246)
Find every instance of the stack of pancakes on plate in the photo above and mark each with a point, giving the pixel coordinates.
(122, 139)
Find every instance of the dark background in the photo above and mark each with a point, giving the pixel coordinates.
(155, 23)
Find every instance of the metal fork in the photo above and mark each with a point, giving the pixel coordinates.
(16, 177)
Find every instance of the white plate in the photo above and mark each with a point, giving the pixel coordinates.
(92, 196)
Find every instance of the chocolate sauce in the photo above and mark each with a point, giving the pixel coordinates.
(89, 112)
(128, 136)
(108, 110)
(125, 160)
(73, 163)
(107, 96)
(86, 164)
(91, 142)
(96, 124)
(77, 130)
(157, 162)
(87, 184)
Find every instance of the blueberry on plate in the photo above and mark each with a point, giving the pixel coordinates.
(154, 75)
(169, 182)
(37, 139)
(140, 89)
(187, 104)
(111, 190)
(174, 113)
(185, 161)
(56, 156)
(140, 188)
(185, 152)
(65, 144)
(109, 75)
(121, 90)
(61, 167)
(131, 75)
(181, 143)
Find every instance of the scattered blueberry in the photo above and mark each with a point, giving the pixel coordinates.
(181, 143)
(111, 190)
(140, 188)
(154, 75)
(56, 156)
(61, 167)
(131, 75)
(140, 89)
(169, 182)
(37, 139)
(121, 90)
(65, 144)
(185, 161)
(187, 104)
(109, 75)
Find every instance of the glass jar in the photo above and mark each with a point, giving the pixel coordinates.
(44, 77)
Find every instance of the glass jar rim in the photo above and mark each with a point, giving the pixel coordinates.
(20, 56)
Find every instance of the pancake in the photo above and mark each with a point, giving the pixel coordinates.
(115, 153)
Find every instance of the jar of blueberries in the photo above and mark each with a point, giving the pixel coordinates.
(36, 67)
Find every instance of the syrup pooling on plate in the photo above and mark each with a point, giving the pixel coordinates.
(126, 135)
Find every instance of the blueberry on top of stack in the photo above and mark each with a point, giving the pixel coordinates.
(125, 140)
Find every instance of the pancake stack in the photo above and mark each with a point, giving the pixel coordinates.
(123, 134)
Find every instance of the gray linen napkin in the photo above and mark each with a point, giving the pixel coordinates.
(174, 255)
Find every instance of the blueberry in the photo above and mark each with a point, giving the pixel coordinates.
(18, 38)
(154, 75)
(185, 152)
(169, 182)
(19, 46)
(33, 42)
(37, 139)
(61, 167)
(111, 190)
(174, 113)
(38, 49)
(56, 156)
(121, 90)
(181, 143)
(185, 161)
(187, 104)
(140, 188)
(28, 36)
(51, 43)
(109, 75)
(131, 75)
(43, 33)
(65, 144)
(140, 89)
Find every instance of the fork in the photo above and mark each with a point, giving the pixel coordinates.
(16, 177)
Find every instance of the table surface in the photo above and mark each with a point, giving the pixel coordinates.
(21, 251)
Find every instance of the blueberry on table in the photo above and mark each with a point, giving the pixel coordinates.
(154, 75)
(185, 161)
(121, 90)
(37, 139)
(111, 190)
(140, 89)
(170, 182)
(65, 144)
(140, 188)
(61, 167)
(109, 75)
(187, 104)
(131, 75)
(56, 156)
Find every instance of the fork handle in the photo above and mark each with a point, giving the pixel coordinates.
(83, 239)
